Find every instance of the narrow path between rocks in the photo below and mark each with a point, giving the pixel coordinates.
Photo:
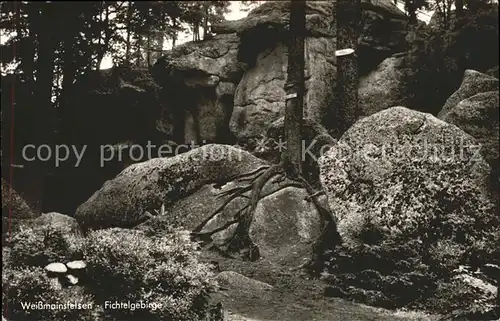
(292, 297)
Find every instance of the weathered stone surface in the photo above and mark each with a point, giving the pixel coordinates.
(473, 83)
(198, 80)
(284, 228)
(260, 97)
(14, 205)
(399, 173)
(65, 224)
(15, 210)
(233, 280)
(384, 87)
(478, 116)
(124, 200)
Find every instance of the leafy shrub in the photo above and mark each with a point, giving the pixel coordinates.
(462, 300)
(41, 245)
(31, 285)
(126, 265)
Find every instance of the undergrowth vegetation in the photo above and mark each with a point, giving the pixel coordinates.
(161, 277)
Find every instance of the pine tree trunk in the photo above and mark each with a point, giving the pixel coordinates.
(348, 15)
(43, 112)
(294, 88)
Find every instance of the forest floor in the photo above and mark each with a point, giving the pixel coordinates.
(293, 297)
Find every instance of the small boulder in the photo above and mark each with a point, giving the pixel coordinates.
(76, 265)
(77, 269)
(15, 211)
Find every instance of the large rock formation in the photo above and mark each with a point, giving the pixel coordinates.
(199, 80)
(382, 158)
(190, 188)
(474, 82)
(384, 87)
(260, 96)
(404, 184)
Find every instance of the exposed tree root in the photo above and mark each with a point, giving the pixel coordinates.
(240, 243)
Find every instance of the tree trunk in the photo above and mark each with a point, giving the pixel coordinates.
(412, 12)
(348, 15)
(107, 35)
(43, 111)
(174, 32)
(294, 88)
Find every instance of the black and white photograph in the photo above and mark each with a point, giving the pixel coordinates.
(250, 160)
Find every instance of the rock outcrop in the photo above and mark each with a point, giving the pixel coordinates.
(191, 187)
(199, 81)
(401, 172)
(231, 86)
(260, 97)
(384, 87)
(478, 116)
